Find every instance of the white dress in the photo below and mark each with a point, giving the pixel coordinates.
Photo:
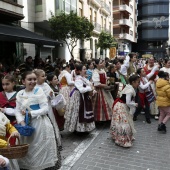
(42, 152)
(47, 89)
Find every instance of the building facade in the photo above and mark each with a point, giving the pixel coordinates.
(153, 21)
(11, 12)
(125, 24)
(99, 12)
(38, 12)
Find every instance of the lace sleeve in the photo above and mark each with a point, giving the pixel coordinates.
(96, 78)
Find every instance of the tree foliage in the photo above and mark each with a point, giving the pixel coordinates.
(70, 28)
(106, 41)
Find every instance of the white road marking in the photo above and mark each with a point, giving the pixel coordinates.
(81, 148)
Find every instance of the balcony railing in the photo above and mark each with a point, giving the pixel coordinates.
(122, 8)
(124, 36)
(122, 22)
(96, 2)
(106, 7)
(106, 30)
(97, 26)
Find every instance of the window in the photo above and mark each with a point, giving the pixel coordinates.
(91, 20)
(38, 5)
(80, 8)
(131, 7)
(136, 35)
(131, 32)
(131, 20)
(73, 4)
(102, 21)
(95, 16)
(110, 7)
(105, 23)
(110, 26)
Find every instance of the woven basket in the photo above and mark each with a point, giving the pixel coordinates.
(14, 152)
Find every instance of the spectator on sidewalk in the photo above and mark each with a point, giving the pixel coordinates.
(163, 99)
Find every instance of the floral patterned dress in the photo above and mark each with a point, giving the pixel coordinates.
(122, 127)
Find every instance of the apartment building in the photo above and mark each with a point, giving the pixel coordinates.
(99, 12)
(153, 29)
(125, 24)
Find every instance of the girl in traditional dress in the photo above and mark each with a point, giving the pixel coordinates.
(41, 77)
(103, 101)
(54, 84)
(42, 152)
(8, 100)
(7, 127)
(122, 127)
(66, 82)
(145, 90)
(79, 116)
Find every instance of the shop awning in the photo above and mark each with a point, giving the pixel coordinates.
(19, 34)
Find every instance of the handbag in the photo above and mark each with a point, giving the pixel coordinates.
(150, 96)
(25, 130)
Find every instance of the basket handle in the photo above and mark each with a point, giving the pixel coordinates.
(26, 117)
(8, 144)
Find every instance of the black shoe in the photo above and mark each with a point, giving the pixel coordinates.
(134, 118)
(159, 127)
(148, 121)
(163, 126)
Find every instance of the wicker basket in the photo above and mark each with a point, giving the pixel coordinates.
(14, 152)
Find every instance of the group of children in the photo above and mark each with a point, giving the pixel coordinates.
(88, 99)
(45, 142)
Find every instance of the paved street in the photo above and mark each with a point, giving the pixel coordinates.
(97, 151)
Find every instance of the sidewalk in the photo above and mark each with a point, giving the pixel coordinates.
(151, 151)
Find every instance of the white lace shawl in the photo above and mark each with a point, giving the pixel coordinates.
(80, 81)
(24, 100)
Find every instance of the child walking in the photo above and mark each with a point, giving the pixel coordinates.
(8, 100)
(43, 152)
(163, 99)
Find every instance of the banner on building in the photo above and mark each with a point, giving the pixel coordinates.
(113, 52)
(147, 56)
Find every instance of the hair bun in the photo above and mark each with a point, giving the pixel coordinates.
(64, 65)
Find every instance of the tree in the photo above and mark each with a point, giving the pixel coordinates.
(70, 28)
(106, 41)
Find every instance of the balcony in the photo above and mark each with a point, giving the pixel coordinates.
(121, 8)
(10, 10)
(97, 3)
(122, 22)
(105, 8)
(97, 28)
(105, 30)
(124, 36)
